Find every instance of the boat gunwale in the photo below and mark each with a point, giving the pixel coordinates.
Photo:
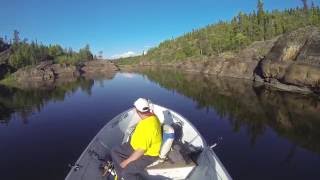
(93, 139)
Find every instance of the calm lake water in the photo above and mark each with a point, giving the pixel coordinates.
(266, 134)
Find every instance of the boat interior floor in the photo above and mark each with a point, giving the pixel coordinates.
(178, 164)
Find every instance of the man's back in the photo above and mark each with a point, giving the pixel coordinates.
(147, 136)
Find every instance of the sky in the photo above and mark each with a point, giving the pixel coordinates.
(118, 27)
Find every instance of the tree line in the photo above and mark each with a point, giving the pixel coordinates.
(241, 31)
(23, 53)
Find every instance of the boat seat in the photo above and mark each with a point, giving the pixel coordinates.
(177, 165)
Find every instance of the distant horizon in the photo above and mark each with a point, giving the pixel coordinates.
(119, 28)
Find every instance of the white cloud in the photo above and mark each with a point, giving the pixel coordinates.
(124, 55)
(147, 46)
(128, 75)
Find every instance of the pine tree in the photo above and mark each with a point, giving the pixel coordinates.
(16, 38)
(305, 5)
(261, 20)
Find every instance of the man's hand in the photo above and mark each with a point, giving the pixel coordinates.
(124, 164)
(134, 156)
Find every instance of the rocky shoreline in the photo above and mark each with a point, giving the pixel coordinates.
(48, 74)
(290, 62)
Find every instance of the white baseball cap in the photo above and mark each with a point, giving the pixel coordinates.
(142, 105)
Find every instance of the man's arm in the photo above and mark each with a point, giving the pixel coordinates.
(134, 156)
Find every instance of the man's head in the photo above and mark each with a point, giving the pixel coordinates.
(142, 105)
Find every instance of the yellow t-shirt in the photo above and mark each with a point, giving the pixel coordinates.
(147, 136)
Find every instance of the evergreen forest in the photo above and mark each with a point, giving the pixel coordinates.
(21, 53)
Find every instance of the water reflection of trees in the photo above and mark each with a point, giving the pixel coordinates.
(23, 102)
(293, 116)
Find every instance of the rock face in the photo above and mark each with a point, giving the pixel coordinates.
(294, 60)
(222, 67)
(233, 68)
(236, 68)
(98, 67)
(47, 73)
(239, 65)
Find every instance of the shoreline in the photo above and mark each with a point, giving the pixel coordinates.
(48, 74)
(290, 62)
(278, 86)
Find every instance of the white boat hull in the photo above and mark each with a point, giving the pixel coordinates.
(118, 130)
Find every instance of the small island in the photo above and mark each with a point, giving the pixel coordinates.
(36, 65)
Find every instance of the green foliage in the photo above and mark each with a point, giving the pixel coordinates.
(55, 51)
(128, 60)
(24, 53)
(232, 35)
(72, 57)
(8, 79)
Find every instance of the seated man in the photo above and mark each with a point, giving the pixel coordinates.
(130, 159)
